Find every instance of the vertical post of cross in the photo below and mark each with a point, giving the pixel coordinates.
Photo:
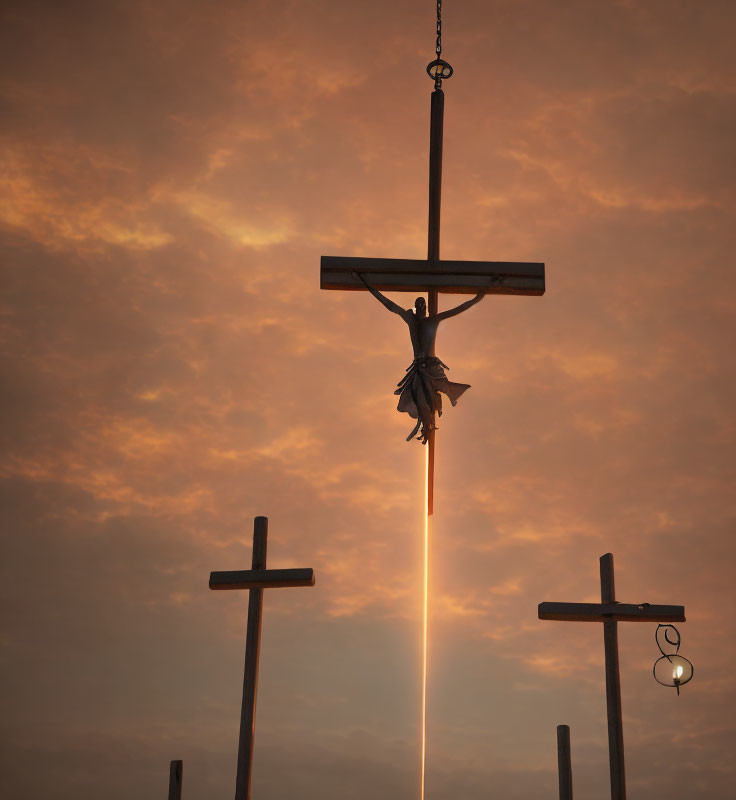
(250, 673)
(613, 684)
(436, 124)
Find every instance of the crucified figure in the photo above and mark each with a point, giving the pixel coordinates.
(419, 390)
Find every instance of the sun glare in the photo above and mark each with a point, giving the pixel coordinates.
(425, 620)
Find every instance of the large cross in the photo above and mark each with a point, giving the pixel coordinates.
(433, 275)
(610, 612)
(255, 580)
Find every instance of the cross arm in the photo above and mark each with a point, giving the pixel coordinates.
(419, 275)
(616, 612)
(261, 578)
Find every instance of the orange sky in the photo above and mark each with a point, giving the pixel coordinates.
(171, 174)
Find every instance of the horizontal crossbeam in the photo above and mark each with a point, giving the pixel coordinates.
(417, 275)
(611, 612)
(261, 578)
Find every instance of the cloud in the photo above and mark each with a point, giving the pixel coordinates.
(172, 173)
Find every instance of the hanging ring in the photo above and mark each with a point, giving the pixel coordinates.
(439, 69)
(667, 638)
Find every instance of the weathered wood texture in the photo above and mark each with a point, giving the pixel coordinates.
(261, 579)
(615, 612)
(447, 277)
(564, 762)
(176, 774)
(613, 685)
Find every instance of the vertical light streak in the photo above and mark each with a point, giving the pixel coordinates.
(425, 621)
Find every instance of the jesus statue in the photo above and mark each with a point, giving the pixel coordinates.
(419, 390)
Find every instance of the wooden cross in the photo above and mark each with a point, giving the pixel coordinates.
(610, 612)
(433, 275)
(255, 580)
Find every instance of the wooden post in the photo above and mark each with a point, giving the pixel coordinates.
(564, 762)
(613, 684)
(176, 769)
(250, 675)
(436, 125)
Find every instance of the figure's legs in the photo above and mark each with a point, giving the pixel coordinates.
(426, 409)
(420, 398)
(427, 424)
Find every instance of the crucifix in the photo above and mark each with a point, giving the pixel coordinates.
(420, 388)
(255, 580)
(610, 612)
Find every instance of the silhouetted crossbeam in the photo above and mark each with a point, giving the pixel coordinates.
(615, 612)
(261, 578)
(421, 275)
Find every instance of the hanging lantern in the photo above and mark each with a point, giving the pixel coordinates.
(671, 669)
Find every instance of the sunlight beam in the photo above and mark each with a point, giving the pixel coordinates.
(425, 620)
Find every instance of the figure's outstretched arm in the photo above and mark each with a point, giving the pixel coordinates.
(452, 312)
(390, 305)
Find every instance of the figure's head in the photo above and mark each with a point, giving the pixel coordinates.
(420, 304)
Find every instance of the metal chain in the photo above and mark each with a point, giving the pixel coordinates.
(438, 48)
(438, 69)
